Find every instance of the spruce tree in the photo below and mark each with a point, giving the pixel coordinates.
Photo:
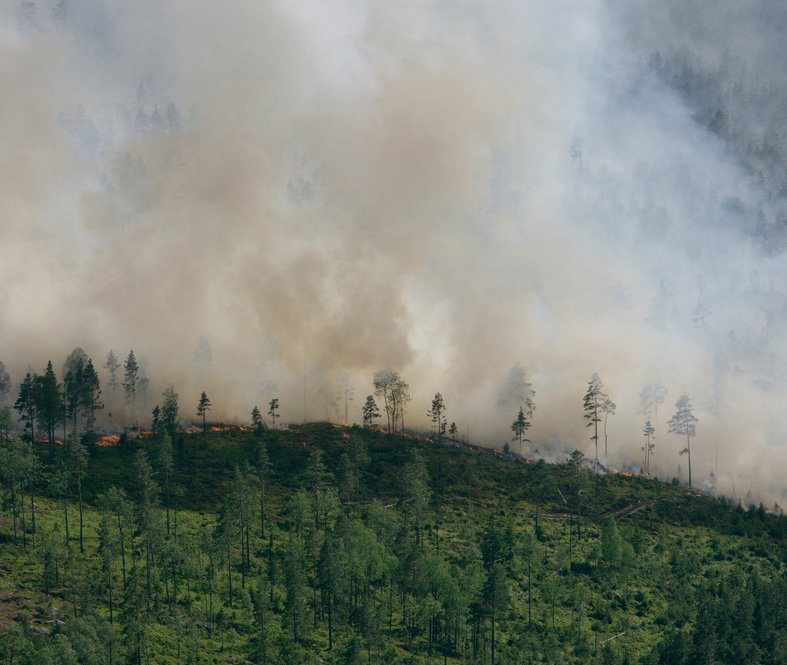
(112, 365)
(27, 404)
(169, 410)
(131, 377)
(202, 409)
(49, 397)
(520, 427)
(370, 412)
(91, 399)
(256, 420)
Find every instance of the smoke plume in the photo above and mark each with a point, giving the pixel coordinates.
(259, 197)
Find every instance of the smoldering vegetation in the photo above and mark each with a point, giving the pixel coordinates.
(260, 198)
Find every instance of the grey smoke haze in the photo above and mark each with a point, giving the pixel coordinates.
(319, 187)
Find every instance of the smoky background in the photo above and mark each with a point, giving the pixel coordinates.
(276, 199)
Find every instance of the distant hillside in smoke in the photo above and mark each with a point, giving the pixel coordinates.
(726, 61)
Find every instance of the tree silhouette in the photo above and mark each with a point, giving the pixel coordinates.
(594, 398)
(515, 391)
(608, 409)
(651, 396)
(648, 431)
(155, 420)
(91, 398)
(684, 423)
(6, 423)
(370, 412)
(5, 381)
(347, 391)
(437, 416)
(74, 385)
(273, 407)
(49, 396)
(112, 365)
(27, 403)
(395, 393)
(169, 410)
(202, 409)
(520, 427)
(130, 378)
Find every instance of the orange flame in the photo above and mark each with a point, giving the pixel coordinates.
(108, 440)
(229, 428)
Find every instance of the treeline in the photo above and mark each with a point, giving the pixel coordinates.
(46, 406)
(729, 619)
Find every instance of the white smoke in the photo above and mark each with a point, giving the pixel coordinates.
(445, 188)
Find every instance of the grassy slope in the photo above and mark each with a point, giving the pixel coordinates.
(685, 539)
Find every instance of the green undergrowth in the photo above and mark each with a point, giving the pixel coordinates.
(376, 568)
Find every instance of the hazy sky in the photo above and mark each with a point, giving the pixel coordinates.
(313, 188)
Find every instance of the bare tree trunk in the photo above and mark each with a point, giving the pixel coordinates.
(22, 504)
(81, 544)
(122, 550)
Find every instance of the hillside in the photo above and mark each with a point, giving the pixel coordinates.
(376, 548)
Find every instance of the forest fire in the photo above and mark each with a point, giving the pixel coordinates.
(229, 428)
(631, 474)
(108, 440)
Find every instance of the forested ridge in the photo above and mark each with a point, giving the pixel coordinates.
(349, 545)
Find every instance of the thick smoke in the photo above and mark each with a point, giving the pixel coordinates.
(258, 197)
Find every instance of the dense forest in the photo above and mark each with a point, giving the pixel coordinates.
(268, 200)
(319, 543)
